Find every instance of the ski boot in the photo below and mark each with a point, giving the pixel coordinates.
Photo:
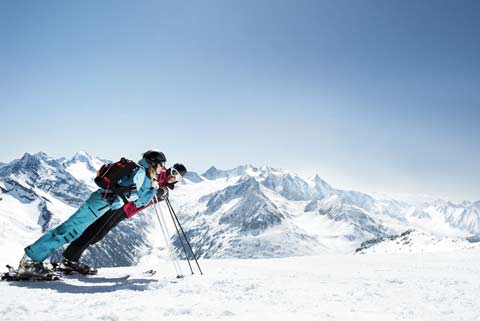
(31, 270)
(68, 267)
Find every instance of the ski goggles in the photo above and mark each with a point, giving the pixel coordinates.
(176, 174)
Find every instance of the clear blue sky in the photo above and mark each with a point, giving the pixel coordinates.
(371, 95)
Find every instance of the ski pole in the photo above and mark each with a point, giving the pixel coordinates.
(167, 233)
(176, 265)
(167, 243)
(172, 212)
(181, 240)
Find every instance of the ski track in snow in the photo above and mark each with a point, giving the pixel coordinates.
(441, 286)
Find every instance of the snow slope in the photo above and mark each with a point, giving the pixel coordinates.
(436, 287)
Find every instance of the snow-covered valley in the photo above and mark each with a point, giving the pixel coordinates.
(329, 287)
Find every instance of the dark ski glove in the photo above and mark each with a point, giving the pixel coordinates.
(162, 193)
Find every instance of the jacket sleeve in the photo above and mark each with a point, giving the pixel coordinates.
(144, 188)
(130, 209)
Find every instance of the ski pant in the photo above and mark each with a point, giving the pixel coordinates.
(94, 233)
(93, 208)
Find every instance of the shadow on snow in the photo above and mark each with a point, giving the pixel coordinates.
(119, 283)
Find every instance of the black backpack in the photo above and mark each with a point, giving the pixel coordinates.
(109, 175)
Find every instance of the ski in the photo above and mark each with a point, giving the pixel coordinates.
(65, 270)
(153, 272)
(60, 273)
(14, 275)
(149, 273)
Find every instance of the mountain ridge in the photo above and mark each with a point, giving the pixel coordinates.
(245, 212)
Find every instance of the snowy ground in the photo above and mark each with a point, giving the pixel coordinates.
(442, 286)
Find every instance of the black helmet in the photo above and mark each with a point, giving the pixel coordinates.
(154, 157)
(180, 168)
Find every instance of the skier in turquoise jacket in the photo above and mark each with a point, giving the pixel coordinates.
(144, 188)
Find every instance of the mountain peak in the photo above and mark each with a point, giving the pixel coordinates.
(274, 171)
(319, 181)
(37, 157)
(268, 168)
(214, 173)
(193, 177)
(82, 156)
(82, 153)
(211, 173)
(31, 159)
(41, 155)
(26, 156)
(250, 182)
(83, 165)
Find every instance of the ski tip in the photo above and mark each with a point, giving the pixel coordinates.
(150, 272)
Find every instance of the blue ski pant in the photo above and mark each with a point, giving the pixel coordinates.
(70, 230)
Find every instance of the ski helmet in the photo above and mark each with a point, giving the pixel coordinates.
(178, 170)
(154, 157)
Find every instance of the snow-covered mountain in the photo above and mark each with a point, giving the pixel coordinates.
(24, 177)
(213, 173)
(463, 216)
(414, 241)
(241, 221)
(266, 212)
(244, 212)
(82, 165)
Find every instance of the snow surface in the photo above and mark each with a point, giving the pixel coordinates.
(331, 287)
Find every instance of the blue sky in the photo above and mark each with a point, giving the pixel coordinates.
(372, 95)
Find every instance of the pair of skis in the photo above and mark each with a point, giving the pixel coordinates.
(55, 275)
(15, 275)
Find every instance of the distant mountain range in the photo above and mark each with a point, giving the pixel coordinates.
(244, 212)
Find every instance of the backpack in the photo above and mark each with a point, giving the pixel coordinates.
(109, 174)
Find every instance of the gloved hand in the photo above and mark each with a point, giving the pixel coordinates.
(162, 193)
(110, 198)
(155, 184)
